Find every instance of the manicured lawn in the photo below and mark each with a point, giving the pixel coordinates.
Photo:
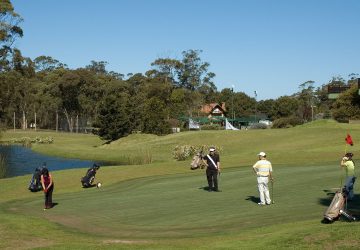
(163, 205)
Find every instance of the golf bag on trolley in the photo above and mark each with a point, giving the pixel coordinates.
(336, 208)
(197, 162)
(35, 182)
(88, 179)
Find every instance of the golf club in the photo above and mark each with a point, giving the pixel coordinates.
(272, 192)
(348, 216)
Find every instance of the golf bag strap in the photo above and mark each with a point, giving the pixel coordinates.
(212, 161)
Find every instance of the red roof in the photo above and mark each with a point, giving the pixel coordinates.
(208, 108)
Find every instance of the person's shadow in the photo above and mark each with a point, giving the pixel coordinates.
(54, 204)
(253, 199)
(206, 188)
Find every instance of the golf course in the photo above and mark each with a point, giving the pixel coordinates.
(149, 200)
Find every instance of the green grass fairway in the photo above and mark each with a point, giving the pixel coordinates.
(163, 205)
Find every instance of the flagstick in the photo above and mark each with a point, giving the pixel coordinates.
(348, 140)
(341, 177)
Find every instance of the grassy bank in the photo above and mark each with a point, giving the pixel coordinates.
(311, 143)
(162, 205)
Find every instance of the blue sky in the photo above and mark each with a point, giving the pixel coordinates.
(270, 47)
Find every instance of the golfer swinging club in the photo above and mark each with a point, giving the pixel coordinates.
(263, 170)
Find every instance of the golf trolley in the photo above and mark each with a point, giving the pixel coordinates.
(197, 162)
(338, 205)
(35, 182)
(88, 180)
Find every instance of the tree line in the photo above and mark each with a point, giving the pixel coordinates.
(151, 102)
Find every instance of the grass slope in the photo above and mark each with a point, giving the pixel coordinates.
(163, 205)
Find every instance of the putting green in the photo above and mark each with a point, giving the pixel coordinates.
(177, 206)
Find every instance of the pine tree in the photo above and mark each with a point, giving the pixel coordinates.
(155, 117)
(113, 121)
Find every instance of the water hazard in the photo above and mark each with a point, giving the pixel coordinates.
(18, 160)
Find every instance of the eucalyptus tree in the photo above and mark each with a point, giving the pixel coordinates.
(9, 82)
(166, 68)
(337, 80)
(72, 94)
(238, 104)
(46, 105)
(193, 72)
(353, 76)
(208, 89)
(16, 96)
(68, 89)
(244, 105)
(194, 101)
(347, 105)
(9, 32)
(307, 100)
(97, 67)
(23, 65)
(285, 106)
(47, 63)
(266, 107)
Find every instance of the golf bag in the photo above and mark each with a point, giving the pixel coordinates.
(88, 179)
(197, 162)
(336, 208)
(35, 182)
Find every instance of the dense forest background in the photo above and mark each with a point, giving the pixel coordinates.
(45, 92)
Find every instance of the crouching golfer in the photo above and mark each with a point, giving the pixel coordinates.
(213, 169)
(48, 187)
(348, 164)
(263, 170)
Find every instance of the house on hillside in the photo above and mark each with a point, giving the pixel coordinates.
(214, 110)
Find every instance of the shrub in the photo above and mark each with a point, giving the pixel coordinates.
(27, 141)
(258, 126)
(183, 152)
(174, 123)
(211, 127)
(287, 122)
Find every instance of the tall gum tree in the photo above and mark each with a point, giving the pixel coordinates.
(9, 32)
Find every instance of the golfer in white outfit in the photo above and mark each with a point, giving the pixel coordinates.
(263, 170)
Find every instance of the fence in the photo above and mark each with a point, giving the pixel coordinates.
(57, 121)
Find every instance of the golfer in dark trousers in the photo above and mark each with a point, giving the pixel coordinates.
(212, 170)
(48, 187)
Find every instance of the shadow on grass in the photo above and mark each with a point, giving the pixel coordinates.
(253, 199)
(329, 196)
(206, 188)
(54, 204)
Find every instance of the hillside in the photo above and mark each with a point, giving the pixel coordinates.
(162, 205)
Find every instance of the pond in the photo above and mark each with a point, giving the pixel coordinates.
(19, 160)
